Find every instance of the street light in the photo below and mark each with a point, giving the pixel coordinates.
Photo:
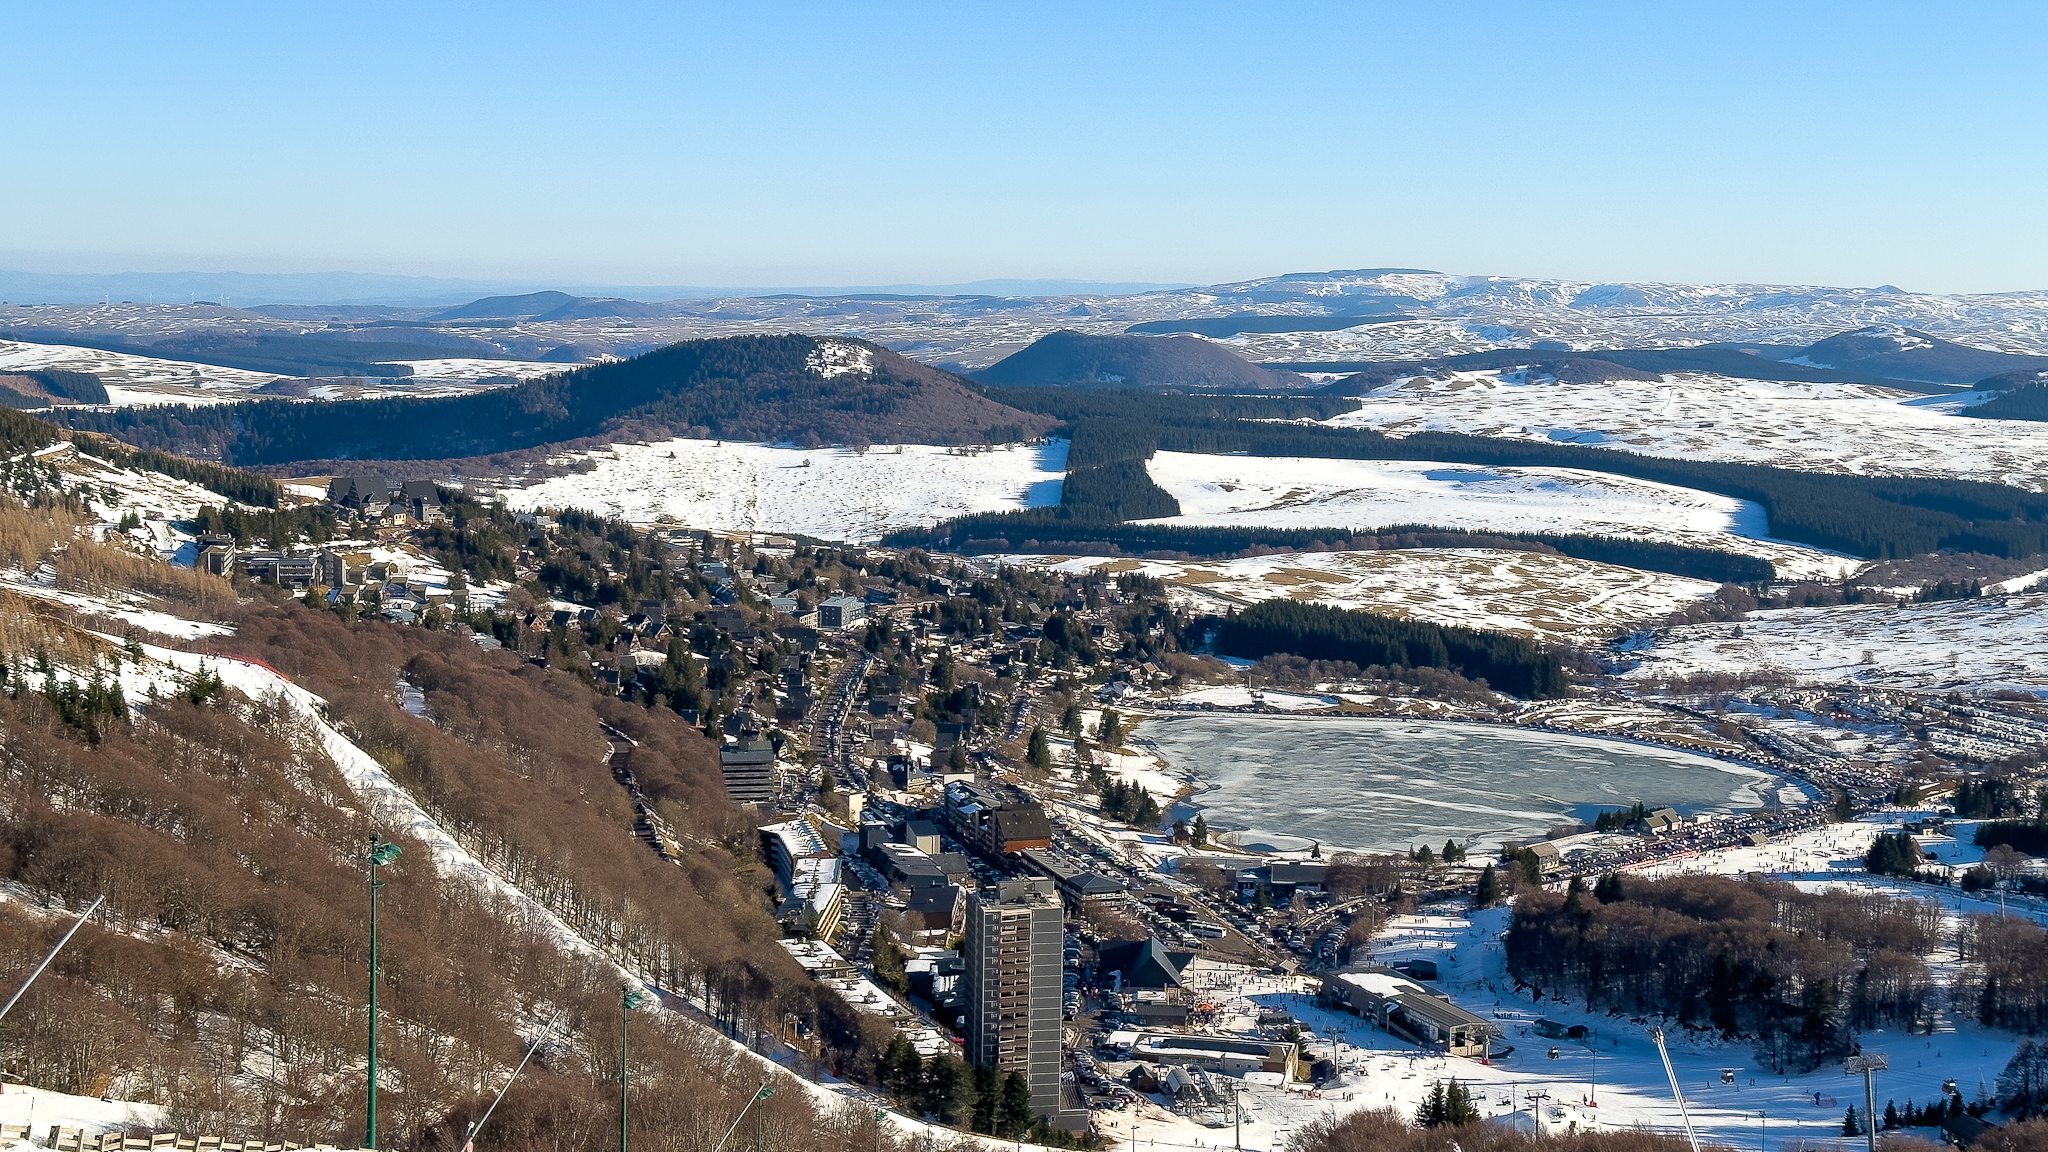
(381, 852)
(469, 1144)
(629, 999)
(760, 1094)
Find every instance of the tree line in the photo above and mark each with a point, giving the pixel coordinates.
(1071, 528)
(1512, 664)
(234, 483)
(1796, 973)
(1879, 517)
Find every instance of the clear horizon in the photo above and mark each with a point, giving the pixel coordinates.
(1827, 144)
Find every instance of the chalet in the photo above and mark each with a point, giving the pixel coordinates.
(1965, 1131)
(359, 492)
(421, 500)
(935, 911)
(1404, 1008)
(1657, 823)
(1144, 965)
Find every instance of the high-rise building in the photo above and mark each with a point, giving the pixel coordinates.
(1012, 957)
(749, 770)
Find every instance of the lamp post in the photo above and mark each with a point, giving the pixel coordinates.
(381, 852)
(628, 1000)
(469, 1143)
(760, 1094)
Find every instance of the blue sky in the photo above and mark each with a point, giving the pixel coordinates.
(754, 144)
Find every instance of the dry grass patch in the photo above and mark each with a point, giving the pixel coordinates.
(89, 567)
(27, 534)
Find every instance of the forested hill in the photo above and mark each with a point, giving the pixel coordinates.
(740, 388)
(1077, 360)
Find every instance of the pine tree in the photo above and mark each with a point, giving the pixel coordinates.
(944, 1091)
(1459, 1100)
(1488, 892)
(1453, 853)
(1575, 897)
(1434, 1112)
(1200, 831)
(986, 1079)
(1891, 1116)
(886, 957)
(900, 1066)
(1849, 1125)
(1449, 1104)
(1038, 752)
(1013, 1115)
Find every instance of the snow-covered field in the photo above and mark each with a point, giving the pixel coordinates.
(1530, 593)
(1992, 642)
(1819, 427)
(151, 495)
(132, 379)
(831, 493)
(1292, 492)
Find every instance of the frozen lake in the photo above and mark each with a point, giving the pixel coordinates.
(1385, 785)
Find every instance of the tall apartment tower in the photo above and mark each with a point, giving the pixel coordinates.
(1012, 965)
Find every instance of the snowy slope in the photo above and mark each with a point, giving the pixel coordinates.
(133, 379)
(1306, 493)
(394, 806)
(1528, 593)
(1819, 427)
(832, 493)
(1992, 642)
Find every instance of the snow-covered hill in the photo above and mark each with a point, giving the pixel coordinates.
(134, 379)
(831, 493)
(1817, 427)
(1302, 493)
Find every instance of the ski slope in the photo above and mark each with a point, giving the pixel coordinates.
(1817, 427)
(830, 493)
(1620, 1070)
(1293, 492)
